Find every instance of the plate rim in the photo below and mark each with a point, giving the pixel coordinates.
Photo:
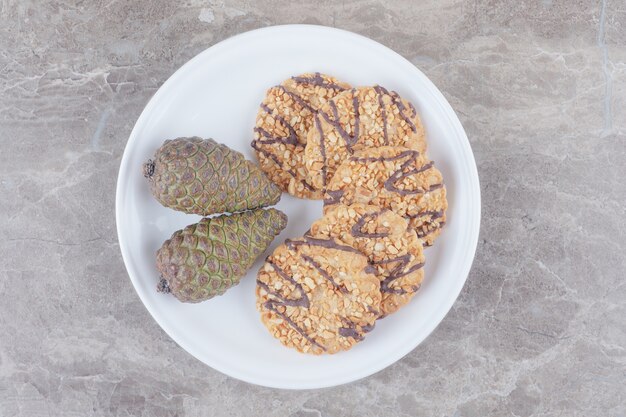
(473, 213)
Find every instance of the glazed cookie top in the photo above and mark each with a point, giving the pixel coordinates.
(284, 118)
(359, 118)
(396, 178)
(318, 295)
(384, 237)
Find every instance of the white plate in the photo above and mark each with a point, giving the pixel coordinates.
(217, 94)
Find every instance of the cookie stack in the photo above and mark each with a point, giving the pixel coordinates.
(363, 151)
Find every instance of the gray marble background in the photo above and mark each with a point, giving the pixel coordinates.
(540, 328)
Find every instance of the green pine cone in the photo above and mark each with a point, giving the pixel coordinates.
(207, 258)
(204, 177)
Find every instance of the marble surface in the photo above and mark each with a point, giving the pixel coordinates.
(540, 327)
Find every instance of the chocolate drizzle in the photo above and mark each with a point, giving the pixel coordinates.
(401, 155)
(430, 228)
(317, 80)
(292, 139)
(413, 111)
(302, 301)
(268, 154)
(324, 243)
(373, 311)
(272, 307)
(350, 332)
(307, 185)
(433, 214)
(320, 131)
(273, 157)
(335, 122)
(398, 102)
(334, 197)
(400, 174)
(357, 228)
(323, 273)
(327, 243)
(311, 241)
(297, 99)
(432, 223)
(357, 117)
(350, 329)
(398, 272)
(269, 139)
(369, 269)
(351, 140)
(383, 112)
(348, 139)
(368, 327)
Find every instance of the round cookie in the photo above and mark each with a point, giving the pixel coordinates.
(283, 121)
(384, 237)
(359, 118)
(396, 178)
(317, 295)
